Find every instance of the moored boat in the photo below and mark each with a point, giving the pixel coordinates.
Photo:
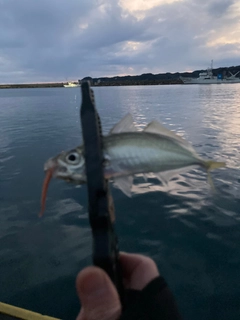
(71, 85)
(207, 77)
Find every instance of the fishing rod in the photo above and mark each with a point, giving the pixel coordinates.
(100, 203)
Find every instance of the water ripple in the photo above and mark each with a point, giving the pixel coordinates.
(191, 232)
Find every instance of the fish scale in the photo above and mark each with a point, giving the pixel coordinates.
(141, 151)
(127, 152)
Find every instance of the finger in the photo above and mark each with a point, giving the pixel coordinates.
(98, 296)
(138, 270)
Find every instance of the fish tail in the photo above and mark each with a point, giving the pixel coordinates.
(210, 181)
(211, 165)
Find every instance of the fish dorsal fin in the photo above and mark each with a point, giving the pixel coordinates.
(156, 127)
(124, 184)
(124, 125)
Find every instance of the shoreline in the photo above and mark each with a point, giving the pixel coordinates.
(32, 85)
(101, 84)
(145, 79)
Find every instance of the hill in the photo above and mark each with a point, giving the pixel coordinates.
(154, 79)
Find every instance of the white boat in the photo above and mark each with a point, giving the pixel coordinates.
(207, 77)
(232, 78)
(71, 85)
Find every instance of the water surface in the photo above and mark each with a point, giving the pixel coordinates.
(191, 233)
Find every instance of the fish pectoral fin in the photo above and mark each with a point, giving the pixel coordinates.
(124, 125)
(124, 184)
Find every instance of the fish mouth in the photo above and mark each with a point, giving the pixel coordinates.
(60, 171)
(50, 164)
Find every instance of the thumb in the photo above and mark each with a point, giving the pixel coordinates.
(98, 296)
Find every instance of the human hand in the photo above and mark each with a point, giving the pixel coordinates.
(97, 293)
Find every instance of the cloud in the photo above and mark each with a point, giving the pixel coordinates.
(54, 40)
(219, 8)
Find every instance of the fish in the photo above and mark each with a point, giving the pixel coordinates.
(127, 152)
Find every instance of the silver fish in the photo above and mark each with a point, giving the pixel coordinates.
(128, 152)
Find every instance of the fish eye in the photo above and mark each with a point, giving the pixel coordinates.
(72, 158)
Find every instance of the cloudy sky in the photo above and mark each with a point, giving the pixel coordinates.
(55, 40)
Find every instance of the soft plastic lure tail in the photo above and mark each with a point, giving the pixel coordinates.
(46, 182)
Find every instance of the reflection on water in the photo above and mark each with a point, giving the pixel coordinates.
(222, 117)
(192, 232)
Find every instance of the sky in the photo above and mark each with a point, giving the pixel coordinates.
(65, 40)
